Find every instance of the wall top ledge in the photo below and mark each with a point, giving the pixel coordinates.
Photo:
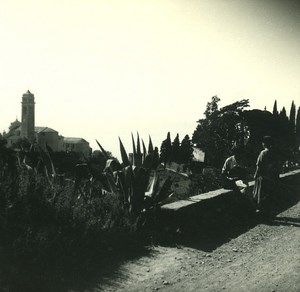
(175, 206)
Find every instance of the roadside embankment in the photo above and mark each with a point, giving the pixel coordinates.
(216, 209)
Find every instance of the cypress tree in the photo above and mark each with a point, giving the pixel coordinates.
(293, 116)
(176, 149)
(166, 150)
(275, 111)
(283, 115)
(298, 127)
(186, 149)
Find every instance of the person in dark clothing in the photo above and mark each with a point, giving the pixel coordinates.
(234, 171)
(266, 178)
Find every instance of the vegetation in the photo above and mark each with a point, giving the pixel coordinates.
(220, 130)
(49, 218)
(231, 125)
(176, 151)
(61, 210)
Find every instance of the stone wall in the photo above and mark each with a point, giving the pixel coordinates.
(216, 207)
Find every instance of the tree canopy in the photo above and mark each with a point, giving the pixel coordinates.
(220, 130)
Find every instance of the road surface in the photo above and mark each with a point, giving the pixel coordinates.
(264, 258)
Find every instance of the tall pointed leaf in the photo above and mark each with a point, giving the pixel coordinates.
(144, 151)
(164, 191)
(138, 153)
(102, 150)
(152, 186)
(150, 147)
(124, 156)
(138, 145)
(112, 184)
(134, 151)
(50, 160)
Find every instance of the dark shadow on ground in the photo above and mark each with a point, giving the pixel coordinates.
(81, 271)
(206, 231)
(205, 228)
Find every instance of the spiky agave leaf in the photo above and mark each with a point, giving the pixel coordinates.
(120, 180)
(144, 150)
(150, 146)
(112, 165)
(47, 161)
(134, 150)
(102, 150)
(49, 153)
(164, 191)
(152, 186)
(129, 186)
(112, 184)
(139, 156)
(140, 183)
(124, 156)
(144, 153)
(138, 144)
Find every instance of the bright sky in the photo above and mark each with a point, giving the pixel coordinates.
(102, 69)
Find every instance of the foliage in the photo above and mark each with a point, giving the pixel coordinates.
(186, 150)
(298, 129)
(231, 125)
(176, 152)
(220, 130)
(205, 182)
(175, 156)
(166, 150)
(275, 111)
(136, 183)
(47, 222)
(293, 116)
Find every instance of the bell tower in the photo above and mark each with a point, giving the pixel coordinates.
(27, 127)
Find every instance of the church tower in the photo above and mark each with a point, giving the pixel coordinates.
(27, 127)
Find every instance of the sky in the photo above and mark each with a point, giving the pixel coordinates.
(106, 69)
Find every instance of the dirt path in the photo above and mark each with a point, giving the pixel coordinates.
(265, 258)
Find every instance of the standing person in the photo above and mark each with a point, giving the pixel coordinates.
(266, 177)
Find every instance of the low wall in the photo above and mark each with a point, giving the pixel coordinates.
(217, 206)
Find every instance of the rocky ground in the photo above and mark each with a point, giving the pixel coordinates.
(266, 257)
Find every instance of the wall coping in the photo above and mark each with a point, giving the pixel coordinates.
(175, 206)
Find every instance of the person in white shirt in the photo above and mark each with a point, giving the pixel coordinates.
(234, 171)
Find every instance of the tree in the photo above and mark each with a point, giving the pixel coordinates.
(293, 116)
(283, 115)
(186, 150)
(212, 107)
(176, 149)
(275, 111)
(166, 150)
(298, 128)
(203, 127)
(220, 130)
(259, 123)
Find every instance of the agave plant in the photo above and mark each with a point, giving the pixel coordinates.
(136, 181)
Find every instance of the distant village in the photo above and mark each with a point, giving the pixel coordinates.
(43, 136)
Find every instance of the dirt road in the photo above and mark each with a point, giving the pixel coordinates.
(265, 258)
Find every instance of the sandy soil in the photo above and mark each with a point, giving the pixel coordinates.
(265, 258)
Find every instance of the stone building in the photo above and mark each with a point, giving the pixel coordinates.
(75, 145)
(43, 136)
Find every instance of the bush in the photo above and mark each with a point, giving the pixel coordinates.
(46, 224)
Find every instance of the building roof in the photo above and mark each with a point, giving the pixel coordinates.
(44, 129)
(14, 125)
(27, 93)
(74, 140)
